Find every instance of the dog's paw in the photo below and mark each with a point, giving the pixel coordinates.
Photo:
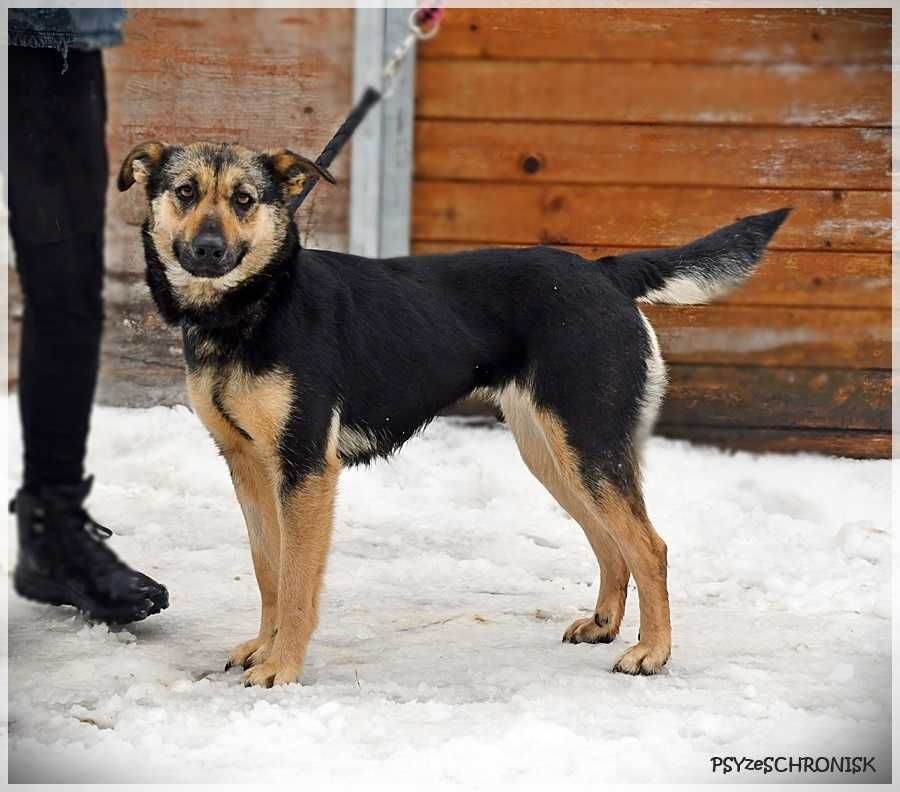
(643, 658)
(249, 653)
(270, 673)
(594, 629)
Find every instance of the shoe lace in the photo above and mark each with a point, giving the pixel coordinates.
(94, 529)
(94, 551)
(70, 515)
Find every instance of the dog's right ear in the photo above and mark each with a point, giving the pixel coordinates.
(141, 161)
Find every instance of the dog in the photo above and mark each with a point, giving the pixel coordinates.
(301, 362)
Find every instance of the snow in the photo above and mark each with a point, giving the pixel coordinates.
(438, 657)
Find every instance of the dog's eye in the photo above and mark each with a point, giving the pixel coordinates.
(242, 199)
(185, 192)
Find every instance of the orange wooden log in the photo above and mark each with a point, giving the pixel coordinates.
(777, 397)
(773, 336)
(643, 216)
(835, 442)
(666, 34)
(640, 92)
(784, 157)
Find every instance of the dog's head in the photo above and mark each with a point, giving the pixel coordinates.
(218, 212)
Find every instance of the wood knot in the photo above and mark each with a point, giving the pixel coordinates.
(556, 204)
(532, 163)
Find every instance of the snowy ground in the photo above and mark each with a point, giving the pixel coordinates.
(438, 656)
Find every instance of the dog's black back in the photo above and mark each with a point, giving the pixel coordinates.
(390, 343)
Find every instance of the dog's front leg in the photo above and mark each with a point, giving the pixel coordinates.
(306, 513)
(255, 489)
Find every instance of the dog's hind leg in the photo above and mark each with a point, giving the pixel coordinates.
(645, 553)
(603, 625)
(255, 490)
(536, 451)
(618, 512)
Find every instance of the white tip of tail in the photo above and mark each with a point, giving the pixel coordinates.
(690, 290)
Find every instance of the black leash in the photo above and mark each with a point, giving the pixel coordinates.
(423, 24)
(368, 100)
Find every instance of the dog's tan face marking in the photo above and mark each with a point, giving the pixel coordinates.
(236, 192)
(207, 185)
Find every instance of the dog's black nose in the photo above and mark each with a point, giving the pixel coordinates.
(209, 248)
(207, 255)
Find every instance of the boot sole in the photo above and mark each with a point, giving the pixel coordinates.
(51, 593)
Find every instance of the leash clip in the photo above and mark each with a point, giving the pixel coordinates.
(424, 24)
(427, 15)
(391, 68)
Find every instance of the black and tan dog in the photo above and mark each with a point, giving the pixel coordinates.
(300, 362)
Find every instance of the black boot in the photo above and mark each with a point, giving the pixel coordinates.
(63, 559)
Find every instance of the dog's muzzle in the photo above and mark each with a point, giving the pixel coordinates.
(207, 256)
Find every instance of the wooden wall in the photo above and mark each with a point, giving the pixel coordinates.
(603, 130)
(278, 77)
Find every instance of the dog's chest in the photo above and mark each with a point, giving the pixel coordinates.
(237, 406)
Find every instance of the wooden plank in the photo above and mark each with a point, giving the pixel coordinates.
(264, 77)
(237, 73)
(855, 444)
(667, 34)
(800, 157)
(141, 361)
(755, 397)
(655, 93)
(642, 216)
(778, 397)
(848, 280)
(769, 336)
(859, 444)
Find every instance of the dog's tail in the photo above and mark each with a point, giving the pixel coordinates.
(700, 271)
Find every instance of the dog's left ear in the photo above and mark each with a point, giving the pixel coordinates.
(292, 171)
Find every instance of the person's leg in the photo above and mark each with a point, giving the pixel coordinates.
(59, 355)
(57, 183)
(58, 170)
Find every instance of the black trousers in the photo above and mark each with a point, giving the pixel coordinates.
(58, 173)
